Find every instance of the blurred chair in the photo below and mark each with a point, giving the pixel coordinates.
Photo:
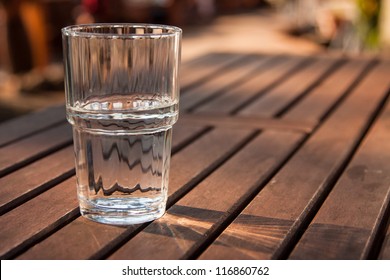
(26, 35)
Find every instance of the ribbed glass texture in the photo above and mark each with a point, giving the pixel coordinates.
(122, 99)
(121, 59)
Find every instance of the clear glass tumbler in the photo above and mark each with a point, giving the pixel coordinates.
(122, 97)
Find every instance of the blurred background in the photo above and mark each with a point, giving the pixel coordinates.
(31, 71)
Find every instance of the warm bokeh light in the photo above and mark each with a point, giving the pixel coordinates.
(31, 71)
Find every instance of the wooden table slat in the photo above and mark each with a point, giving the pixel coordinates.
(321, 99)
(209, 149)
(273, 219)
(277, 99)
(31, 124)
(22, 152)
(264, 78)
(26, 182)
(47, 211)
(191, 221)
(182, 133)
(227, 78)
(384, 253)
(274, 156)
(345, 222)
(205, 68)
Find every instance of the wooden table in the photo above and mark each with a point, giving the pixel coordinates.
(274, 156)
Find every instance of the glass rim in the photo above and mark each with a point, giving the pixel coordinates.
(79, 30)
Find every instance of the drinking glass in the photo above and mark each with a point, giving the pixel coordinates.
(122, 98)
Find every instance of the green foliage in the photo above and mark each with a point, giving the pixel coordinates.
(368, 25)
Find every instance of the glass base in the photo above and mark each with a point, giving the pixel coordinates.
(132, 214)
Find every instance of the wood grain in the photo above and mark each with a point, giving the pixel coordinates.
(26, 182)
(273, 156)
(42, 214)
(189, 222)
(346, 222)
(227, 78)
(182, 134)
(320, 100)
(26, 150)
(278, 98)
(272, 220)
(31, 124)
(187, 167)
(205, 68)
(384, 253)
(266, 76)
(235, 122)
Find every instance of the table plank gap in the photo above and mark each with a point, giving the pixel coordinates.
(384, 252)
(241, 79)
(299, 172)
(189, 185)
(376, 240)
(203, 72)
(240, 205)
(272, 79)
(331, 93)
(185, 188)
(272, 102)
(97, 239)
(190, 221)
(352, 220)
(190, 138)
(302, 223)
(28, 150)
(48, 211)
(31, 124)
(180, 185)
(273, 222)
(227, 78)
(182, 133)
(198, 60)
(312, 86)
(263, 78)
(33, 179)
